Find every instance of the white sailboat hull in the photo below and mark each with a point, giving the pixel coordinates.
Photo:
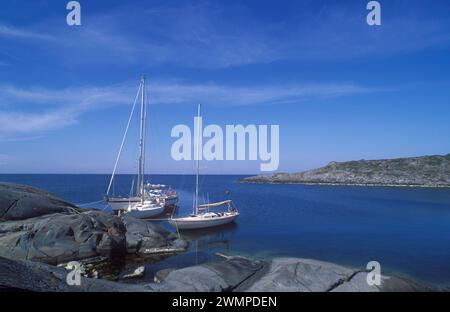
(123, 203)
(202, 221)
(145, 211)
(145, 214)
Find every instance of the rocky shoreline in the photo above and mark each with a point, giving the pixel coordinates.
(231, 274)
(267, 180)
(37, 226)
(425, 171)
(40, 233)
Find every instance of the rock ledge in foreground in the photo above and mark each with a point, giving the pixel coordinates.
(229, 274)
(277, 275)
(36, 225)
(19, 202)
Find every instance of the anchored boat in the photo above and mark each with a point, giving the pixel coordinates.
(145, 202)
(157, 190)
(202, 216)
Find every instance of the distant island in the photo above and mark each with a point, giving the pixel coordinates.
(425, 171)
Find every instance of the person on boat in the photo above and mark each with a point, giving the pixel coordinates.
(169, 191)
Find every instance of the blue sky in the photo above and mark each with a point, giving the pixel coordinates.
(339, 89)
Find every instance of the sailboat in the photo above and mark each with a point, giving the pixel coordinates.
(157, 190)
(202, 216)
(141, 204)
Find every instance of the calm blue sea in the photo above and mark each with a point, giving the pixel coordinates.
(407, 230)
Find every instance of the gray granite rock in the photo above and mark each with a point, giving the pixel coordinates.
(357, 283)
(226, 275)
(41, 227)
(145, 238)
(40, 277)
(294, 274)
(60, 238)
(229, 274)
(19, 202)
(161, 275)
(306, 275)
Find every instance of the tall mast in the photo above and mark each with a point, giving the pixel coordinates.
(140, 188)
(123, 140)
(144, 137)
(198, 160)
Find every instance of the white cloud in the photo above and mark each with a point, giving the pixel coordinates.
(26, 123)
(20, 138)
(10, 31)
(214, 94)
(32, 111)
(36, 110)
(79, 96)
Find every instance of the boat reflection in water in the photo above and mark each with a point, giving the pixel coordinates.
(220, 237)
(204, 244)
